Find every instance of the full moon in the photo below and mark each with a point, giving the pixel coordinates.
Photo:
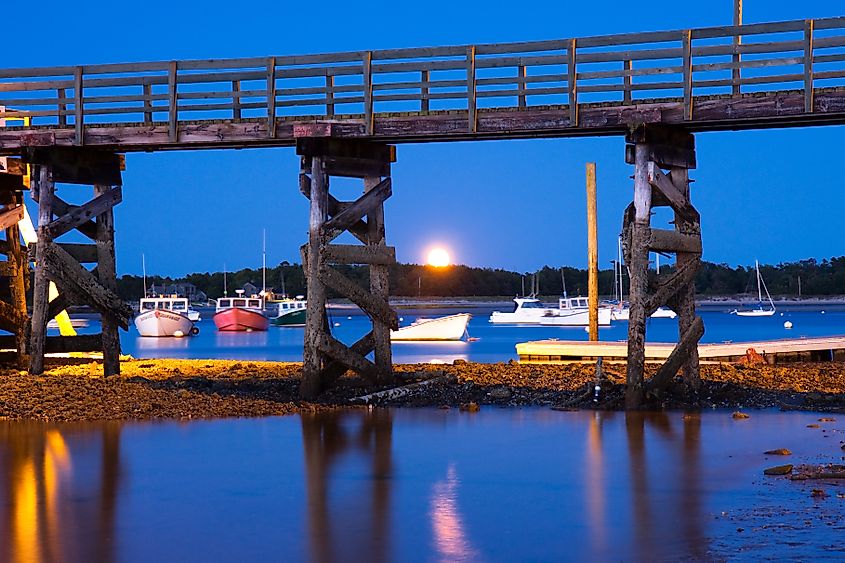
(438, 257)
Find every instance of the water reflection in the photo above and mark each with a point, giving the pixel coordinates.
(450, 539)
(342, 444)
(43, 499)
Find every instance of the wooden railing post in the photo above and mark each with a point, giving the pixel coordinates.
(78, 106)
(271, 97)
(572, 84)
(736, 58)
(61, 108)
(521, 74)
(172, 101)
(687, 53)
(808, 66)
(147, 91)
(329, 95)
(471, 101)
(236, 100)
(626, 81)
(424, 78)
(367, 70)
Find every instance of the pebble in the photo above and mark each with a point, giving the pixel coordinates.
(740, 415)
(778, 470)
(779, 451)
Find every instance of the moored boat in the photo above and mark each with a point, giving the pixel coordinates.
(575, 311)
(240, 314)
(164, 316)
(290, 312)
(759, 311)
(527, 310)
(451, 327)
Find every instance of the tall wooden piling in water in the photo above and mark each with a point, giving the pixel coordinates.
(325, 358)
(652, 149)
(592, 251)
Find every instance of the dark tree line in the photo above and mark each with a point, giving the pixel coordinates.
(826, 277)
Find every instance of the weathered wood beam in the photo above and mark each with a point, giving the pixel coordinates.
(380, 288)
(14, 166)
(82, 253)
(44, 187)
(360, 207)
(359, 230)
(76, 165)
(677, 358)
(377, 308)
(345, 148)
(357, 254)
(81, 215)
(683, 275)
(356, 167)
(335, 369)
(661, 240)
(72, 278)
(672, 193)
(107, 274)
(61, 344)
(340, 353)
(61, 208)
(57, 305)
(10, 216)
(13, 319)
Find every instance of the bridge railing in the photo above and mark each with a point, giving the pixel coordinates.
(619, 69)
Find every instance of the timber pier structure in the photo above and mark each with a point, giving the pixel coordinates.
(344, 111)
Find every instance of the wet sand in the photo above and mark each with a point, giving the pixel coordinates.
(182, 389)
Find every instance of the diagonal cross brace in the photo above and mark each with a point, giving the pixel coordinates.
(673, 194)
(675, 282)
(377, 308)
(76, 281)
(341, 353)
(359, 230)
(82, 214)
(357, 210)
(679, 355)
(335, 369)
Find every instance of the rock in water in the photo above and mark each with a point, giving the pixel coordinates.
(779, 451)
(469, 407)
(740, 415)
(778, 470)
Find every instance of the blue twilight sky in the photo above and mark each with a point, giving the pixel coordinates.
(773, 195)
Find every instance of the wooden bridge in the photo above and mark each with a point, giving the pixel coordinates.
(735, 77)
(68, 124)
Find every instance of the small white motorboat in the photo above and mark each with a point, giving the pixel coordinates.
(164, 316)
(528, 310)
(452, 327)
(575, 311)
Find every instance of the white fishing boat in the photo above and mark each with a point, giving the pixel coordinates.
(452, 327)
(164, 316)
(759, 311)
(575, 311)
(527, 310)
(623, 313)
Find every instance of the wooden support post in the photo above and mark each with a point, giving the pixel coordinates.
(638, 273)
(626, 82)
(472, 103)
(521, 75)
(367, 70)
(736, 73)
(78, 107)
(808, 66)
(61, 108)
(236, 100)
(147, 90)
(40, 297)
(687, 49)
(592, 252)
(316, 309)
(425, 76)
(17, 288)
(108, 278)
(572, 82)
(271, 97)
(379, 288)
(173, 102)
(329, 95)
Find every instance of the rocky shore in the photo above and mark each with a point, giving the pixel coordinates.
(151, 389)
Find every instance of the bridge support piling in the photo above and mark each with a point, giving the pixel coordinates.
(62, 263)
(15, 271)
(325, 358)
(653, 149)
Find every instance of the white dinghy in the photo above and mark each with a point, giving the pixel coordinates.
(452, 327)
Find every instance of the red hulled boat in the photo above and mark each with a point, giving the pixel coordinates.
(240, 313)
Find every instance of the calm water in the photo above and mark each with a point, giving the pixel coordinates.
(418, 485)
(496, 343)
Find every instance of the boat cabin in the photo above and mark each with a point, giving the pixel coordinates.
(291, 305)
(175, 304)
(240, 302)
(569, 303)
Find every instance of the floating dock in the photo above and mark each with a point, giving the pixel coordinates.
(825, 349)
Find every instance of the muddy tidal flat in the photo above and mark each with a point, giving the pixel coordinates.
(75, 390)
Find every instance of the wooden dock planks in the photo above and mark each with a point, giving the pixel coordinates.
(774, 351)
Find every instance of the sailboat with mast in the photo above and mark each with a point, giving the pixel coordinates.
(759, 311)
(622, 311)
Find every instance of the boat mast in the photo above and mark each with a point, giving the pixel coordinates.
(619, 260)
(759, 293)
(225, 291)
(144, 270)
(263, 262)
(563, 282)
